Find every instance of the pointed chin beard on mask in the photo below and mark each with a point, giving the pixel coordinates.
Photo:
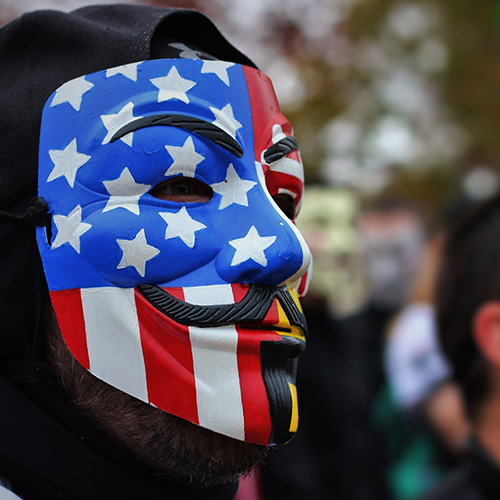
(152, 438)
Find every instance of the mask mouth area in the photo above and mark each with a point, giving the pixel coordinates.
(279, 368)
(252, 309)
(266, 331)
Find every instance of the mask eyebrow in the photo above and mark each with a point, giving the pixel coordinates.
(201, 127)
(280, 149)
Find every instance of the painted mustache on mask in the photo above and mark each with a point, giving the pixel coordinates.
(251, 309)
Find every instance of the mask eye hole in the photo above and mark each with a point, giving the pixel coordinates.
(286, 204)
(183, 190)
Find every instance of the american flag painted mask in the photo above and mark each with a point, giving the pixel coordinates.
(172, 269)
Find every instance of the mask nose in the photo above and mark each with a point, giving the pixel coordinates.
(269, 250)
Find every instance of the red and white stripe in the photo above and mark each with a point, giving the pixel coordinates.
(114, 339)
(215, 363)
(209, 376)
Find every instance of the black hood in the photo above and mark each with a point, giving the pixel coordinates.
(39, 52)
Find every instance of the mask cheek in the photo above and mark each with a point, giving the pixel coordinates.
(128, 250)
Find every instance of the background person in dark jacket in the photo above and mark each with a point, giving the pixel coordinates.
(468, 315)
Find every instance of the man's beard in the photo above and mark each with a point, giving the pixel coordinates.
(164, 443)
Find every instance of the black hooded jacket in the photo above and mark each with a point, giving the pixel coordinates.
(47, 451)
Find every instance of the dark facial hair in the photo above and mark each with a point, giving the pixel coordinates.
(151, 437)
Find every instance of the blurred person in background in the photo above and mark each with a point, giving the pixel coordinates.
(431, 426)
(393, 236)
(468, 319)
(337, 453)
(428, 405)
(328, 221)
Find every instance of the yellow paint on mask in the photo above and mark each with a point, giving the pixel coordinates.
(285, 323)
(295, 297)
(294, 423)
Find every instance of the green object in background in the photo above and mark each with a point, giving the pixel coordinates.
(416, 462)
(416, 471)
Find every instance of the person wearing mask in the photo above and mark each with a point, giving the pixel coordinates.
(150, 319)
